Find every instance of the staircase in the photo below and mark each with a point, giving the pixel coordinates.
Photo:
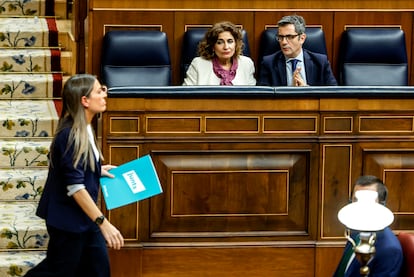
(35, 59)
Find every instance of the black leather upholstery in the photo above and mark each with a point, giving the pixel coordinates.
(315, 42)
(189, 50)
(373, 57)
(135, 58)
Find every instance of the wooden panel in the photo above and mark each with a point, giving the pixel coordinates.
(119, 154)
(172, 124)
(241, 194)
(233, 194)
(295, 124)
(388, 124)
(126, 262)
(238, 261)
(124, 125)
(232, 124)
(396, 169)
(327, 259)
(336, 187)
(338, 124)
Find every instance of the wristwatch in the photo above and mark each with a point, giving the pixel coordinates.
(100, 219)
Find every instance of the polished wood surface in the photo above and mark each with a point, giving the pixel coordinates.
(263, 176)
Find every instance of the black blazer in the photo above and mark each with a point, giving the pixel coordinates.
(55, 206)
(318, 70)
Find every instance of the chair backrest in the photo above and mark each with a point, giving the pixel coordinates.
(135, 58)
(189, 50)
(315, 41)
(373, 57)
(407, 244)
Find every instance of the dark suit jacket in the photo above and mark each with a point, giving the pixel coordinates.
(318, 70)
(55, 206)
(387, 261)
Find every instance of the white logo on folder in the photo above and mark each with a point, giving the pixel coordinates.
(133, 181)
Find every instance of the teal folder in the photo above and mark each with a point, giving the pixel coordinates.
(134, 181)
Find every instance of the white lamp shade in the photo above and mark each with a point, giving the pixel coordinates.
(366, 214)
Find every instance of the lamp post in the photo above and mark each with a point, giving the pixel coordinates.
(367, 217)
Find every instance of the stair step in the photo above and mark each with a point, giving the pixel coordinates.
(24, 8)
(29, 60)
(17, 263)
(22, 184)
(21, 118)
(20, 228)
(27, 32)
(24, 153)
(30, 85)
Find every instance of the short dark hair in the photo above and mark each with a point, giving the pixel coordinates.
(297, 20)
(368, 180)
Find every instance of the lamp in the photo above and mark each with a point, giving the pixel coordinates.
(365, 216)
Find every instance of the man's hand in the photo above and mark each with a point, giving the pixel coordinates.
(297, 79)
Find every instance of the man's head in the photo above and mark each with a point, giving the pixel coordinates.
(291, 35)
(369, 182)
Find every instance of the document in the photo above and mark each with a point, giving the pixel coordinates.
(134, 181)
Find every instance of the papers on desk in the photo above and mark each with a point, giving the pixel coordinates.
(134, 181)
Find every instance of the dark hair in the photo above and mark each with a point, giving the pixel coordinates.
(296, 20)
(206, 46)
(368, 180)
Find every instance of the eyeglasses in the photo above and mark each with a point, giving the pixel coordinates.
(287, 37)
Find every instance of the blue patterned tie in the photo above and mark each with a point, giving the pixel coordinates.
(294, 62)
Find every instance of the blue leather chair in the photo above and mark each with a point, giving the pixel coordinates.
(135, 58)
(373, 57)
(189, 50)
(315, 42)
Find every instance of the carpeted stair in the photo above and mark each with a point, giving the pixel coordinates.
(31, 78)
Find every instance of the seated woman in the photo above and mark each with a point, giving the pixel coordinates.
(220, 61)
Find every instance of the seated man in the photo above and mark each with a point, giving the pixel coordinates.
(293, 65)
(388, 258)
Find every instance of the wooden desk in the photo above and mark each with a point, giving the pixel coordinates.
(253, 178)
